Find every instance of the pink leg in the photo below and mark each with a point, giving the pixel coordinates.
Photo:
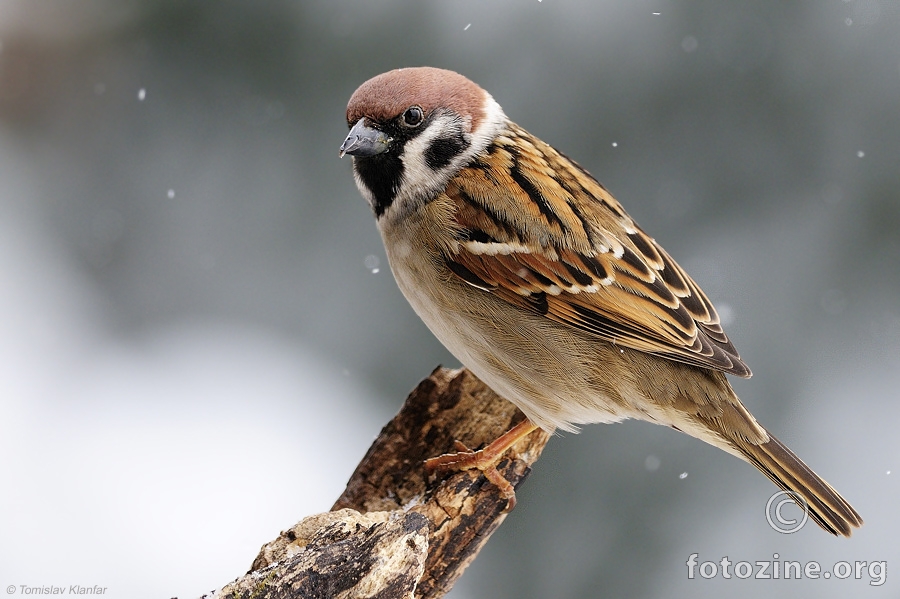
(485, 459)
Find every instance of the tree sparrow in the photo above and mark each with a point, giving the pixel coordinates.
(537, 280)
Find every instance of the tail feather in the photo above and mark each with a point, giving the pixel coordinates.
(824, 505)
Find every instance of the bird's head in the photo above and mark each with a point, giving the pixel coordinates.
(411, 130)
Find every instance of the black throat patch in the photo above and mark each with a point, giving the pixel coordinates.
(381, 175)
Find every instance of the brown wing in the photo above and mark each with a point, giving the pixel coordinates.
(590, 267)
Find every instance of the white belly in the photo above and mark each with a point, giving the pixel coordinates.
(548, 370)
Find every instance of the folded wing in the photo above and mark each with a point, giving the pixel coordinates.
(592, 268)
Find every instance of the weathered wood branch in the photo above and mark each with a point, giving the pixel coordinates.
(394, 533)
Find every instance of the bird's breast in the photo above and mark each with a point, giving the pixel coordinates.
(557, 376)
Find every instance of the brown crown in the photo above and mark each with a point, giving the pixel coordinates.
(386, 96)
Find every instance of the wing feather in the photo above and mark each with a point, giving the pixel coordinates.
(537, 230)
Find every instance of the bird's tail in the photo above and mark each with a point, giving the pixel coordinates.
(785, 469)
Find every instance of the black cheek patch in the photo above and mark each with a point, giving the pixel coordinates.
(442, 151)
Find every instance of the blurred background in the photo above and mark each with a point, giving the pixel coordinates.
(200, 336)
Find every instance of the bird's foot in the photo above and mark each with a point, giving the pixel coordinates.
(485, 459)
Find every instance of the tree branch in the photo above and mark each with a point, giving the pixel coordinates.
(393, 533)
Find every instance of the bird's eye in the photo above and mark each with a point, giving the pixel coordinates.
(413, 116)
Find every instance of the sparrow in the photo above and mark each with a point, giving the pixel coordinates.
(535, 278)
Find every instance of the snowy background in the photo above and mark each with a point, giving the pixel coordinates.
(192, 289)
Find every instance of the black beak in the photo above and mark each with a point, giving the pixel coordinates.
(364, 141)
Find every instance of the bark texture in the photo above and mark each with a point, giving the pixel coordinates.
(395, 532)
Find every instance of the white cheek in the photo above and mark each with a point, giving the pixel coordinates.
(418, 177)
(490, 126)
(420, 181)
